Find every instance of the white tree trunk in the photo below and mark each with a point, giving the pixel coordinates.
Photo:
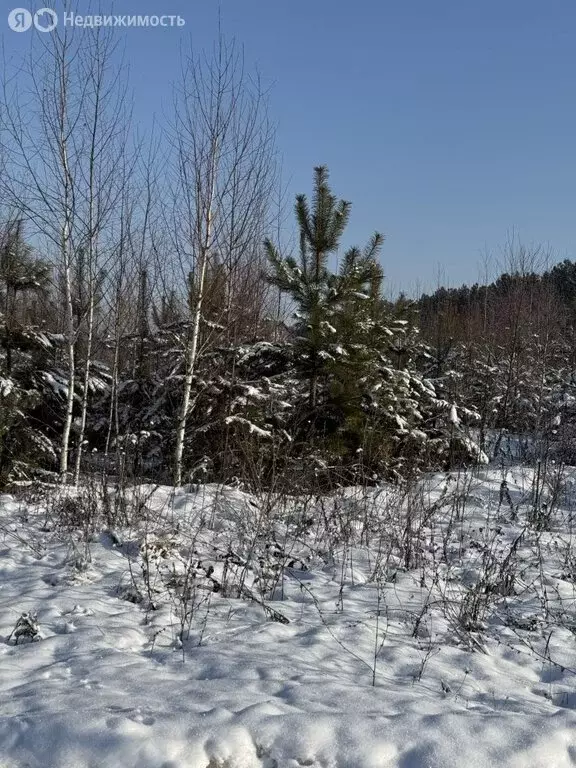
(84, 406)
(69, 308)
(90, 319)
(191, 353)
(70, 333)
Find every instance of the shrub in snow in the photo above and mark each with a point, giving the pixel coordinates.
(131, 594)
(26, 629)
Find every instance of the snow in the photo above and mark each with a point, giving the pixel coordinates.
(6, 387)
(454, 415)
(252, 428)
(108, 682)
(57, 384)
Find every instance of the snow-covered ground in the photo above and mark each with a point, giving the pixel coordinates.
(367, 630)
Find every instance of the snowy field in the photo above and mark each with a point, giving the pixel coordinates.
(371, 629)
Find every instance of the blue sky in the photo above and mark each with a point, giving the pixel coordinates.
(447, 124)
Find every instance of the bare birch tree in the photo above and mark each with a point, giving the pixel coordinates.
(224, 173)
(101, 183)
(61, 128)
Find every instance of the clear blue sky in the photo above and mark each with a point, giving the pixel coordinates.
(447, 123)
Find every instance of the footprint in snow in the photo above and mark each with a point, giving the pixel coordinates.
(136, 716)
(53, 579)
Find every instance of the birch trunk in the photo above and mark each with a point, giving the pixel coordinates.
(66, 260)
(191, 353)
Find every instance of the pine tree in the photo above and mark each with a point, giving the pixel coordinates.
(20, 273)
(24, 362)
(340, 321)
(323, 299)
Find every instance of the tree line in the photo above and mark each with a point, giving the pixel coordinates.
(158, 320)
